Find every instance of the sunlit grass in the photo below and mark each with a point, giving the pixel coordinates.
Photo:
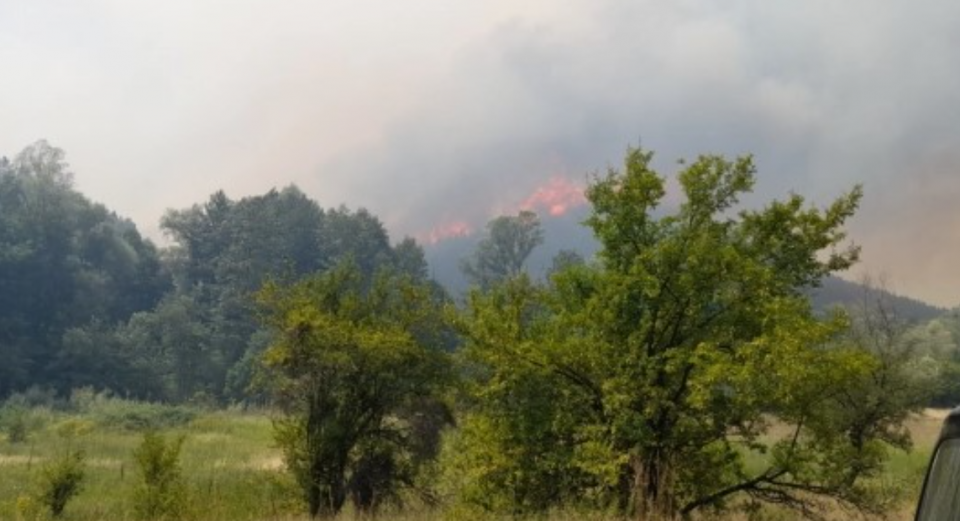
(229, 463)
(234, 472)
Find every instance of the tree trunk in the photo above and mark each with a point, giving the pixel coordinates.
(653, 487)
(327, 498)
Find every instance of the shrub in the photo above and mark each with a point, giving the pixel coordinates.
(16, 426)
(118, 413)
(160, 492)
(34, 397)
(18, 421)
(60, 481)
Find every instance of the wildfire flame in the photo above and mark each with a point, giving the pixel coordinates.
(556, 197)
(448, 231)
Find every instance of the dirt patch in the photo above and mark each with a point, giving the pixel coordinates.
(925, 427)
(273, 463)
(16, 459)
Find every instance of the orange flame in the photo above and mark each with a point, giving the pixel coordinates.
(448, 231)
(557, 196)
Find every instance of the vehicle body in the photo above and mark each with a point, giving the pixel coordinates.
(940, 497)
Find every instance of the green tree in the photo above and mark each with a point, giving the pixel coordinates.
(898, 382)
(409, 259)
(358, 236)
(65, 262)
(172, 343)
(353, 362)
(504, 249)
(674, 355)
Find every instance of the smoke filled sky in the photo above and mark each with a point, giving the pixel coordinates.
(436, 115)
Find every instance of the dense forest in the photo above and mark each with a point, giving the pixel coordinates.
(630, 379)
(85, 300)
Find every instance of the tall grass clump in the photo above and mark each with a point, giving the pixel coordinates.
(60, 481)
(160, 491)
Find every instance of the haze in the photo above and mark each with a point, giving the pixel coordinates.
(435, 114)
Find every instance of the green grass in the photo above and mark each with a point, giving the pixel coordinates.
(231, 468)
(229, 464)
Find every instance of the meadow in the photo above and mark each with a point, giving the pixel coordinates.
(230, 466)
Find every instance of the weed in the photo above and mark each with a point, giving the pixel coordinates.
(161, 492)
(60, 481)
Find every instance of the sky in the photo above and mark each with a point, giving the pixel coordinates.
(437, 115)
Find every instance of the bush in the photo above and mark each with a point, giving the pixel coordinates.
(60, 481)
(35, 397)
(161, 492)
(118, 413)
(16, 426)
(18, 421)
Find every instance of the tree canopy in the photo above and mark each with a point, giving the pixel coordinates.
(64, 262)
(643, 380)
(356, 364)
(504, 249)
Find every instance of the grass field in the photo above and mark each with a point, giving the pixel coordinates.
(231, 469)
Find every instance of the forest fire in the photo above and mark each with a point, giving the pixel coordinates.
(447, 231)
(556, 197)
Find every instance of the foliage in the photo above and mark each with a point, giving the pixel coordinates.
(118, 413)
(504, 249)
(64, 261)
(673, 355)
(86, 301)
(353, 363)
(19, 419)
(15, 423)
(160, 492)
(61, 480)
(899, 382)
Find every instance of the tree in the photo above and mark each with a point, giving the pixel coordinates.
(409, 259)
(172, 343)
(65, 263)
(502, 252)
(673, 356)
(354, 362)
(898, 382)
(358, 236)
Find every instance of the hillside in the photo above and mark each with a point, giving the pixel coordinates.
(567, 233)
(839, 292)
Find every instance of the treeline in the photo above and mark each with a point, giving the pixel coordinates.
(681, 370)
(86, 301)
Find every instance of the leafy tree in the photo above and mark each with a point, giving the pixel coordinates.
(358, 236)
(64, 263)
(674, 355)
(872, 408)
(353, 361)
(172, 343)
(502, 252)
(564, 260)
(410, 260)
(226, 249)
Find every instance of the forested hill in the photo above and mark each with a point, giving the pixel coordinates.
(838, 292)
